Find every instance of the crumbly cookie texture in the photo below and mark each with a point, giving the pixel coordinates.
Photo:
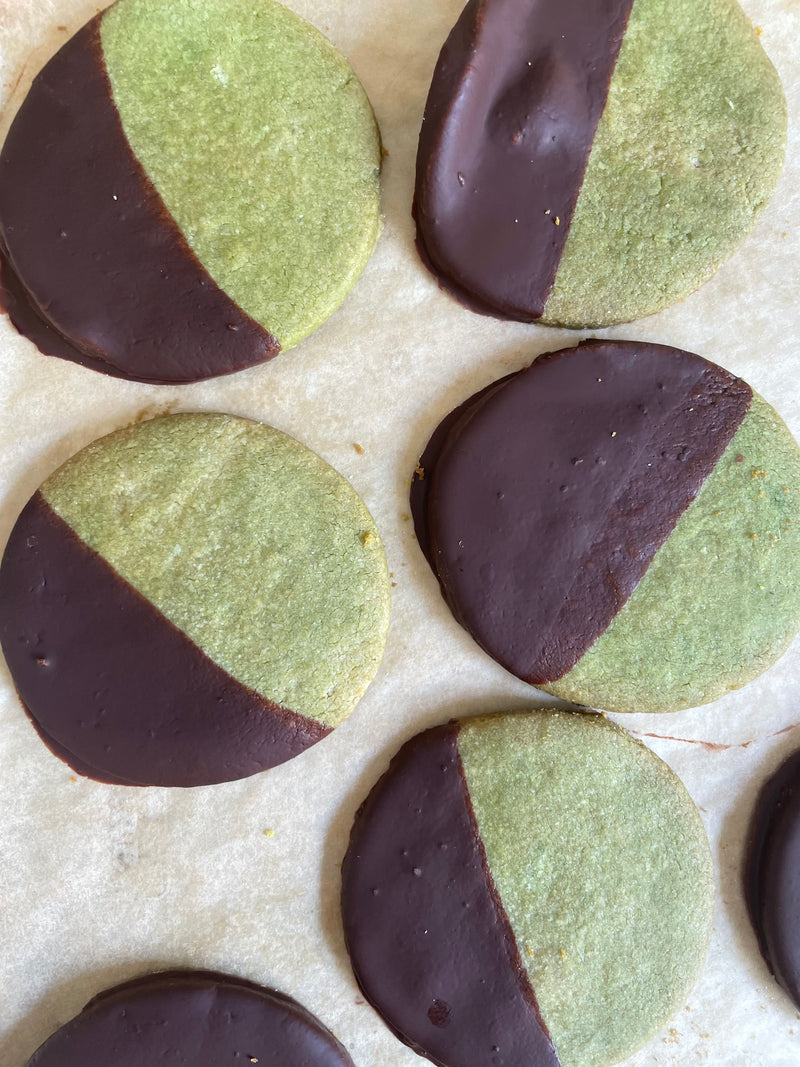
(688, 151)
(248, 542)
(602, 864)
(261, 143)
(719, 602)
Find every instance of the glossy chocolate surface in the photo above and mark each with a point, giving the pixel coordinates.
(113, 687)
(192, 1017)
(421, 482)
(549, 497)
(95, 269)
(27, 320)
(772, 877)
(514, 104)
(430, 943)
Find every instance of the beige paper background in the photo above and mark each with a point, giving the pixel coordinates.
(99, 883)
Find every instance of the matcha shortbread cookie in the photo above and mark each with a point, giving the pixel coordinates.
(527, 889)
(192, 600)
(618, 523)
(772, 877)
(198, 1018)
(586, 162)
(189, 187)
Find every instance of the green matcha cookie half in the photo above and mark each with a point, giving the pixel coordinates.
(192, 600)
(528, 888)
(588, 162)
(190, 187)
(619, 524)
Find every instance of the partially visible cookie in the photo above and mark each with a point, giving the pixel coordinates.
(192, 600)
(529, 888)
(772, 878)
(586, 162)
(618, 523)
(189, 187)
(199, 1018)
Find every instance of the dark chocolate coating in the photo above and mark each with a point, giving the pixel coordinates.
(197, 1018)
(25, 318)
(113, 687)
(95, 268)
(421, 483)
(509, 123)
(772, 876)
(550, 496)
(430, 943)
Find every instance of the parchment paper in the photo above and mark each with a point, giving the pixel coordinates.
(99, 883)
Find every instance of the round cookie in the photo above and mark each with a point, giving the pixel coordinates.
(192, 600)
(527, 888)
(191, 1017)
(618, 524)
(576, 168)
(189, 187)
(772, 877)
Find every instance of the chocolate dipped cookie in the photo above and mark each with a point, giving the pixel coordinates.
(527, 889)
(190, 187)
(199, 1018)
(587, 162)
(772, 876)
(192, 600)
(617, 524)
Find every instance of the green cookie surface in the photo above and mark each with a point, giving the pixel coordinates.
(248, 542)
(602, 865)
(260, 141)
(688, 150)
(720, 602)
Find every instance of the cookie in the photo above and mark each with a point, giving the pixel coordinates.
(190, 187)
(772, 877)
(192, 600)
(527, 888)
(192, 1017)
(618, 524)
(576, 168)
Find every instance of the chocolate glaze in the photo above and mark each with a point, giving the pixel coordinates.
(95, 269)
(421, 482)
(15, 302)
(550, 496)
(513, 107)
(74, 761)
(113, 687)
(192, 1017)
(772, 875)
(430, 943)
